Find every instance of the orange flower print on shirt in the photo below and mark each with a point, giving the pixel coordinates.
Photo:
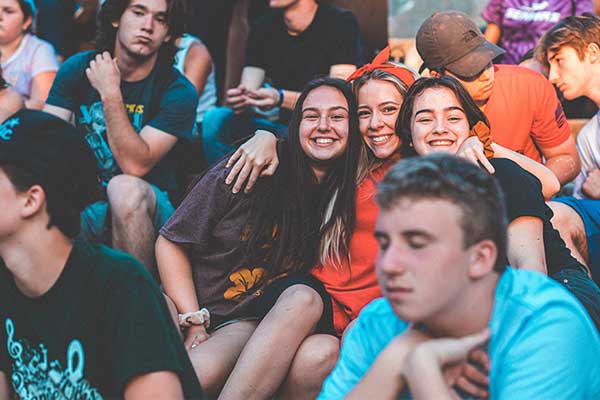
(244, 280)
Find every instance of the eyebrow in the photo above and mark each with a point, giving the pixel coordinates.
(329, 109)
(428, 110)
(142, 7)
(381, 104)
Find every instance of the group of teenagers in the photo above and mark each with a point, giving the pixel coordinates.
(389, 247)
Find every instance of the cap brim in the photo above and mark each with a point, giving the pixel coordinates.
(475, 61)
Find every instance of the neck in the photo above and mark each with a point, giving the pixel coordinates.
(468, 314)
(8, 49)
(132, 68)
(299, 16)
(36, 264)
(593, 85)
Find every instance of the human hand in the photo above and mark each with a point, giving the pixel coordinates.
(472, 150)
(256, 157)
(591, 185)
(195, 335)
(236, 98)
(104, 75)
(472, 375)
(263, 98)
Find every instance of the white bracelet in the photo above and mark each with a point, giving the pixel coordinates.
(201, 317)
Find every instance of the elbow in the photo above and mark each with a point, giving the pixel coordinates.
(138, 170)
(551, 188)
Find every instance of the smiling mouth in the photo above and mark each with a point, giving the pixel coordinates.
(441, 142)
(380, 139)
(323, 141)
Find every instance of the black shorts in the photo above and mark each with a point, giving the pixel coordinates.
(263, 304)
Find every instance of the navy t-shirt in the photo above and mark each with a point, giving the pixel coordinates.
(164, 101)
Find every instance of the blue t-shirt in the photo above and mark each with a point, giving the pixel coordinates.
(165, 100)
(543, 344)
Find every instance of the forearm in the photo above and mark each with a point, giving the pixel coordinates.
(289, 99)
(565, 167)
(424, 377)
(493, 33)
(131, 152)
(384, 378)
(4, 388)
(175, 273)
(550, 182)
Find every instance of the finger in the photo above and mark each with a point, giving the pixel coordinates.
(481, 358)
(253, 178)
(271, 168)
(234, 157)
(259, 102)
(242, 176)
(473, 374)
(471, 388)
(478, 152)
(237, 167)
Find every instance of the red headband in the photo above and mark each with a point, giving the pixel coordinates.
(381, 63)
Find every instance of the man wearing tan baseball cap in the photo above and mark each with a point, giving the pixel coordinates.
(524, 112)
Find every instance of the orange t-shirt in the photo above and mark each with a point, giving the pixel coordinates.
(524, 112)
(352, 288)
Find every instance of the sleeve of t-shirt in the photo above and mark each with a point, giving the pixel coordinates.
(554, 357)
(203, 207)
(493, 12)
(582, 6)
(143, 336)
(255, 45)
(177, 112)
(44, 59)
(522, 191)
(347, 45)
(69, 81)
(363, 343)
(550, 127)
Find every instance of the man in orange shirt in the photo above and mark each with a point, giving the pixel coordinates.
(524, 112)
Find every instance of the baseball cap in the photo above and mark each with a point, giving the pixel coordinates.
(53, 151)
(451, 40)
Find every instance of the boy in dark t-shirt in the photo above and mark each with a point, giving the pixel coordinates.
(77, 320)
(133, 107)
(297, 41)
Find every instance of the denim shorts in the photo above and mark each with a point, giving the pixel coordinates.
(584, 289)
(95, 218)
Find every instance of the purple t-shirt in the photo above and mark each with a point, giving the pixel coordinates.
(33, 57)
(523, 22)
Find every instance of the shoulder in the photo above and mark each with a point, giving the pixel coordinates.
(179, 89)
(589, 132)
(36, 42)
(79, 61)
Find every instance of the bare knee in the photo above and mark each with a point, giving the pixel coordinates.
(318, 353)
(299, 301)
(128, 195)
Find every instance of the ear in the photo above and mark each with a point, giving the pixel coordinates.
(593, 52)
(434, 74)
(27, 23)
(167, 38)
(482, 258)
(115, 24)
(35, 200)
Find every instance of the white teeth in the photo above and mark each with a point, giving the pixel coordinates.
(440, 143)
(380, 139)
(324, 141)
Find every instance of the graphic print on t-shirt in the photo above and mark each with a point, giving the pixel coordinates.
(92, 119)
(536, 12)
(35, 377)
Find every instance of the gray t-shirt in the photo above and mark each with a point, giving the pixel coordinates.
(211, 223)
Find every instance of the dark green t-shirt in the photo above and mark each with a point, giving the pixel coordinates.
(165, 100)
(102, 323)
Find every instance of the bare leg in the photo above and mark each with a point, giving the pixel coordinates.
(570, 226)
(314, 360)
(132, 206)
(214, 358)
(267, 357)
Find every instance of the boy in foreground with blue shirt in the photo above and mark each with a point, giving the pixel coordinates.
(442, 236)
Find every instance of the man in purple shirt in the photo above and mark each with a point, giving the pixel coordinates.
(518, 24)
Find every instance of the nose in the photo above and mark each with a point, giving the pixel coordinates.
(439, 125)
(390, 261)
(375, 123)
(553, 74)
(323, 123)
(148, 23)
